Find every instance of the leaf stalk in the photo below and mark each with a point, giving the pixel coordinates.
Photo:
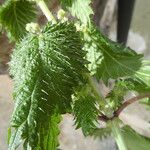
(46, 11)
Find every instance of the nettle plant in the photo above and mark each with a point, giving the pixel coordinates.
(66, 67)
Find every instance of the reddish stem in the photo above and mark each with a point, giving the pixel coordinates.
(130, 101)
(123, 106)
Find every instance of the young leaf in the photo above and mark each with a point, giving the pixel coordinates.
(46, 69)
(79, 8)
(117, 60)
(14, 15)
(85, 112)
(116, 96)
(102, 133)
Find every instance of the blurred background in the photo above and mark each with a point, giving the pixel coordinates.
(106, 17)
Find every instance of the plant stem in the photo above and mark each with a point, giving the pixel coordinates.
(123, 106)
(118, 135)
(130, 101)
(45, 10)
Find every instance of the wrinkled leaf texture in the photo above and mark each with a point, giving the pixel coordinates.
(46, 69)
(115, 60)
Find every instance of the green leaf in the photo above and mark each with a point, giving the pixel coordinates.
(134, 141)
(51, 141)
(85, 111)
(144, 73)
(8, 135)
(93, 54)
(15, 139)
(117, 134)
(79, 8)
(116, 60)
(46, 70)
(138, 85)
(67, 3)
(128, 139)
(116, 96)
(14, 15)
(141, 80)
(102, 133)
(146, 102)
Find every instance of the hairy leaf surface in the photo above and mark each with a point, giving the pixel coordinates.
(79, 8)
(93, 53)
(14, 15)
(46, 69)
(85, 111)
(116, 60)
(116, 96)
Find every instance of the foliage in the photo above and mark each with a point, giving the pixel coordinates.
(85, 111)
(143, 74)
(116, 96)
(139, 141)
(52, 66)
(116, 60)
(14, 15)
(102, 133)
(79, 8)
(62, 68)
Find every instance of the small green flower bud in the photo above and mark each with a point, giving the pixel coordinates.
(61, 14)
(33, 27)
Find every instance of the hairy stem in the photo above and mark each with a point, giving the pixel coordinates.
(45, 10)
